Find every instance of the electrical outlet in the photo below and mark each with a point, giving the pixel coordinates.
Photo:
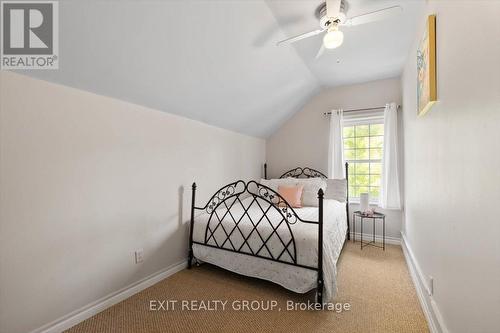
(430, 291)
(139, 256)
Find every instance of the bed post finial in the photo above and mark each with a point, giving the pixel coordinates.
(191, 225)
(265, 170)
(319, 289)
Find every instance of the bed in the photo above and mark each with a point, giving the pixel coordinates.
(248, 228)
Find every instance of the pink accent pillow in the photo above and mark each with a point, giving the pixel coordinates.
(292, 195)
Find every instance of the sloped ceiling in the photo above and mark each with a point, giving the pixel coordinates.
(213, 61)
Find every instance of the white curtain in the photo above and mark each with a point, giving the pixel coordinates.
(389, 190)
(336, 149)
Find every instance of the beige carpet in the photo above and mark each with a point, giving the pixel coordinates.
(376, 284)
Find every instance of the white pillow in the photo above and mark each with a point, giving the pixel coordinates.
(274, 183)
(310, 191)
(336, 189)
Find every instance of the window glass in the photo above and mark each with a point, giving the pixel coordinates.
(363, 149)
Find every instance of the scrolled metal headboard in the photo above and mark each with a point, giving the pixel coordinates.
(306, 172)
(299, 172)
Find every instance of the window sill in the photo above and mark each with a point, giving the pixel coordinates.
(356, 202)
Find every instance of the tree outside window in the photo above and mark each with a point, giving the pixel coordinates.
(363, 148)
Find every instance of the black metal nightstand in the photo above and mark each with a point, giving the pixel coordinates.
(373, 217)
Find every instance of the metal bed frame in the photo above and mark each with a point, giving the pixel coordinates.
(219, 208)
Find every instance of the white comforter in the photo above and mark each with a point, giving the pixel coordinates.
(294, 278)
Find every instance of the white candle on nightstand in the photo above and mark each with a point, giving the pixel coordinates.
(363, 202)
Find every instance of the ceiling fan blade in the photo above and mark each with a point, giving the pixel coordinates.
(320, 51)
(376, 15)
(333, 8)
(299, 37)
(272, 30)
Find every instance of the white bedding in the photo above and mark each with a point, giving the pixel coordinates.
(297, 279)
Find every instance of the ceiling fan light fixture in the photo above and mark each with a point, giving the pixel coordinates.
(333, 38)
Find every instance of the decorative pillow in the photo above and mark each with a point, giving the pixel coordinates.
(336, 189)
(274, 183)
(311, 188)
(292, 195)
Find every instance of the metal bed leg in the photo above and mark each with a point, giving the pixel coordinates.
(191, 226)
(383, 234)
(319, 290)
(373, 230)
(361, 233)
(354, 228)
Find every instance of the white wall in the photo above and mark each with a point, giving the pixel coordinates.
(452, 179)
(303, 140)
(86, 180)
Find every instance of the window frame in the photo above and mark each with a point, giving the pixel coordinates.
(361, 122)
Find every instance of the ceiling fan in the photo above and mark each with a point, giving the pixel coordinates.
(332, 15)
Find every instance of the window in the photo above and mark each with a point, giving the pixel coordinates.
(363, 148)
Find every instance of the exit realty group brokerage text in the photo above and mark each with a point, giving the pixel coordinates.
(243, 305)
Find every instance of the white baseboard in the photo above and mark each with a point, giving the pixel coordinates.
(378, 238)
(77, 316)
(431, 311)
(429, 306)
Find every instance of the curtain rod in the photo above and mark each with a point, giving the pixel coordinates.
(365, 109)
